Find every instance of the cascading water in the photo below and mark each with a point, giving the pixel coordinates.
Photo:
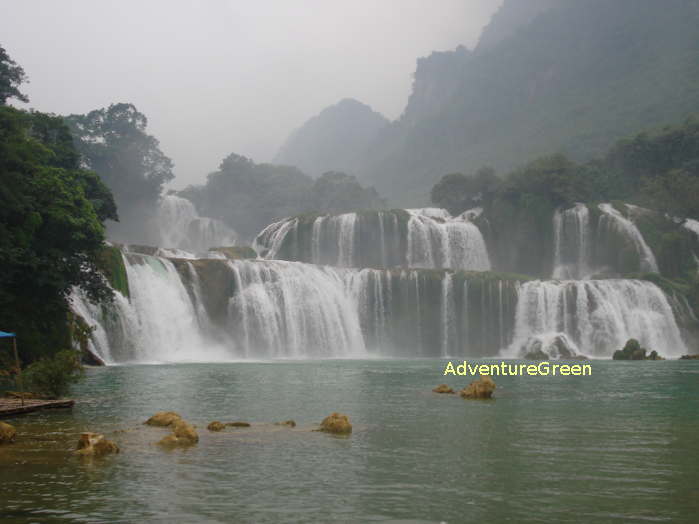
(614, 226)
(594, 317)
(181, 227)
(292, 310)
(692, 225)
(438, 240)
(571, 233)
(418, 238)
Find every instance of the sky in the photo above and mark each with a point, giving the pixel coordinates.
(221, 76)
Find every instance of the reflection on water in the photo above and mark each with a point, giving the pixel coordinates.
(620, 445)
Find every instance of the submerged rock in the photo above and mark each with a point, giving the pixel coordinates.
(336, 423)
(443, 388)
(95, 445)
(289, 423)
(163, 419)
(479, 389)
(183, 434)
(7, 433)
(216, 426)
(238, 424)
(633, 351)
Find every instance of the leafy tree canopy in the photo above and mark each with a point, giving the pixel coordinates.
(51, 230)
(249, 196)
(114, 143)
(11, 76)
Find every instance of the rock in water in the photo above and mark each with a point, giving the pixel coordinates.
(216, 426)
(633, 351)
(238, 424)
(95, 445)
(183, 434)
(336, 423)
(289, 423)
(443, 388)
(163, 418)
(7, 433)
(479, 389)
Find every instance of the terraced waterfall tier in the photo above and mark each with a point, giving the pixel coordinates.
(218, 309)
(415, 238)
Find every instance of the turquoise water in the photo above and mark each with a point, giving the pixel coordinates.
(620, 445)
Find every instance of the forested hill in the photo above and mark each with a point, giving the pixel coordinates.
(334, 140)
(566, 77)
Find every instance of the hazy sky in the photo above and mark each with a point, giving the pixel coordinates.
(215, 77)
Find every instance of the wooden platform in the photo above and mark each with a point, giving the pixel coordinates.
(13, 406)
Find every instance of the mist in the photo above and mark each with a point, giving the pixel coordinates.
(221, 77)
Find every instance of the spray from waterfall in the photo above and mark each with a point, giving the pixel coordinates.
(181, 227)
(594, 317)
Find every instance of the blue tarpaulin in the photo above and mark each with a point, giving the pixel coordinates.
(3, 334)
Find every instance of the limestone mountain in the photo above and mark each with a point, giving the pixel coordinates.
(334, 140)
(546, 77)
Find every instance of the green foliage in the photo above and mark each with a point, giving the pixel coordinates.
(111, 263)
(50, 229)
(51, 377)
(114, 143)
(249, 196)
(11, 76)
(335, 192)
(457, 193)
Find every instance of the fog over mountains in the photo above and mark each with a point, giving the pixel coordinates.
(546, 77)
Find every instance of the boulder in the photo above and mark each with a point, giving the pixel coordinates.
(7, 433)
(238, 424)
(336, 423)
(163, 419)
(216, 426)
(536, 354)
(183, 434)
(633, 351)
(443, 388)
(479, 389)
(289, 423)
(95, 445)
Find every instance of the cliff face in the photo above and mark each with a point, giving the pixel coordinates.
(548, 76)
(573, 78)
(513, 15)
(334, 140)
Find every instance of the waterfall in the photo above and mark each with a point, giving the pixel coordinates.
(613, 221)
(181, 227)
(292, 310)
(594, 317)
(217, 309)
(571, 232)
(438, 240)
(418, 238)
(692, 225)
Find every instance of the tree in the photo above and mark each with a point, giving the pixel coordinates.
(11, 76)
(336, 192)
(51, 228)
(114, 143)
(457, 192)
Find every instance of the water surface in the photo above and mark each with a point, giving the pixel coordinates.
(620, 445)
